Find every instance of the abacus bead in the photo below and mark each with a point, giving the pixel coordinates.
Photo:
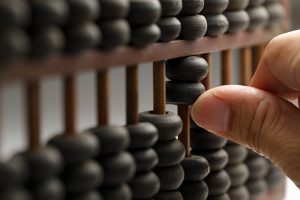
(170, 28)
(170, 8)
(115, 33)
(144, 35)
(191, 7)
(240, 193)
(114, 9)
(271, 1)
(170, 153)
(113, 138)
(252, 154)
(117, 193)
(76, 148)
(238, 21)
(170, 177)
(258, 167)
(236, 153)
(214, 6)
(51, 189)
(257, 188)
(219, 197)
(191, 68)
(217, 25)
(12, 173)
(193, 27)
(276, 13)
(169, 125)
(174, 195)
(145, 159)
(238, 174)
(144, 186)
(274, 177)
(142, 135)
(237, 4)
(90, 195)
(259, 17)
(15, 194)
(183, 92)
(83, 10)
(254, 3)
(194, 190)
(196, 168)
(217, 159)
(218, 183)
(143, 12)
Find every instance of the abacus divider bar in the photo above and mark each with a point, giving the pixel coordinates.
(184, 137)
(70, 104)
(33, 114)
(246, 69)
(207, 81)
(132, 103)
(226, 67)
(159, 87)
(102, 100)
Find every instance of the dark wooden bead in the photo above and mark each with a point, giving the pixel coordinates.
(254, 3)
(144, 186)
(170, 152)
(118, 168)
(257, 188)
(91, 195)
(82, 37)
(236, 153)
(271, 1)
(170, 177)
(114, 9)
(191, 7)
(237, 5)
(183, 92)
(218, 183)
(170, 8)
(145, 35)
(170, 28)
(144, 12)
(213, 7)
(239, 193)
(168, 125)
(259, 17)
(117, 192)
(258, 167)
(274, 177)
(82, 177)
(15, 194)
(191, 68)
(115, 33)
(238, 21)
(145, 159)
(276, 13)
(76, 148)
(252, 154)
(142, 135)
(193, 27)
(219, 197)
(113, 139)
(196, 168)
(194, 190)
(51, 189)
(175, 195)
(13, 172)
(83, 11)
(217, 159)
(217, 25)
(238, 174)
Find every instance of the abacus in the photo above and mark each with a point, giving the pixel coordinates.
(158, 154)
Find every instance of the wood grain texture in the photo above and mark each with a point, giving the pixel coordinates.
(132, 95)
(159, 87)
(226, 67)
(184, 137)
(207, 81)
(246, 65)
(69, 93)
(102, 90)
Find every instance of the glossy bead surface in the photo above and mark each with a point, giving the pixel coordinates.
(193, 27)
(196, 168)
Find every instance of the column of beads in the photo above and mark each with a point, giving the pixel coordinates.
(81, 174)
(143, 16)
(81, 31)
(276, 12)
(45, 33)
(118, 165)
(14, 42)
(145, 183)
(217, 23)
(185, 75)
(193, 24)
(258, 14)
(169, 25)
(170, 151)
(115, 28)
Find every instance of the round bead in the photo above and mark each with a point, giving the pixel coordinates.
(212, 7)
(83, 10)
(170, 177)
(238, 174)
(254, 3)
(51, 189)
(274, 177)
(115, 33)
(113, 139)
(90, 195)
(237, 4)
(142, 135)
(76, 148)
(118, 168)
(217, 159)
(236, 153)
(193, 27)
(194, 190)
(175, 195)
(168, 125)
(240, 193)
(276, 13)
(144, 186)
(191, 68)
(170, 28)
(196, 168)
(12, 173)
(238, 21)
(191, 7)
(120, 9)
(259, 17)
(144, 12)
(258, 167)
(183, 92)
(252, 154)
(217, 25)
(271, 1)
(219, 197)
(170, 8)
(257, 188)
(218, 183)
(15, 194)
(145, 160)
(144, 35)
(116, 193)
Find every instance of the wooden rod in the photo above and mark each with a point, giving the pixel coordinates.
(70, 104)
(257, 53)
(226, 67)
(246, 70)
(207, 81)
(132, 94)
(184, 137)
(159, 86)
(33, 114)
(102, 100)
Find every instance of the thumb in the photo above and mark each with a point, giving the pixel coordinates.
(254, 118)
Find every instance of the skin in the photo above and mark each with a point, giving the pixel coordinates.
(261, 116)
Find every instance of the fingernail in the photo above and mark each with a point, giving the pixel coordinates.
(211, 113)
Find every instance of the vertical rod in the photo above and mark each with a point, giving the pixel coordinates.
(132, 94)
(33, 114)
(257, 53)
(102, 97)
(159, 87)
(184, 137)
(246, 71)
(70, 104)
(207, 81)
(226, 67)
